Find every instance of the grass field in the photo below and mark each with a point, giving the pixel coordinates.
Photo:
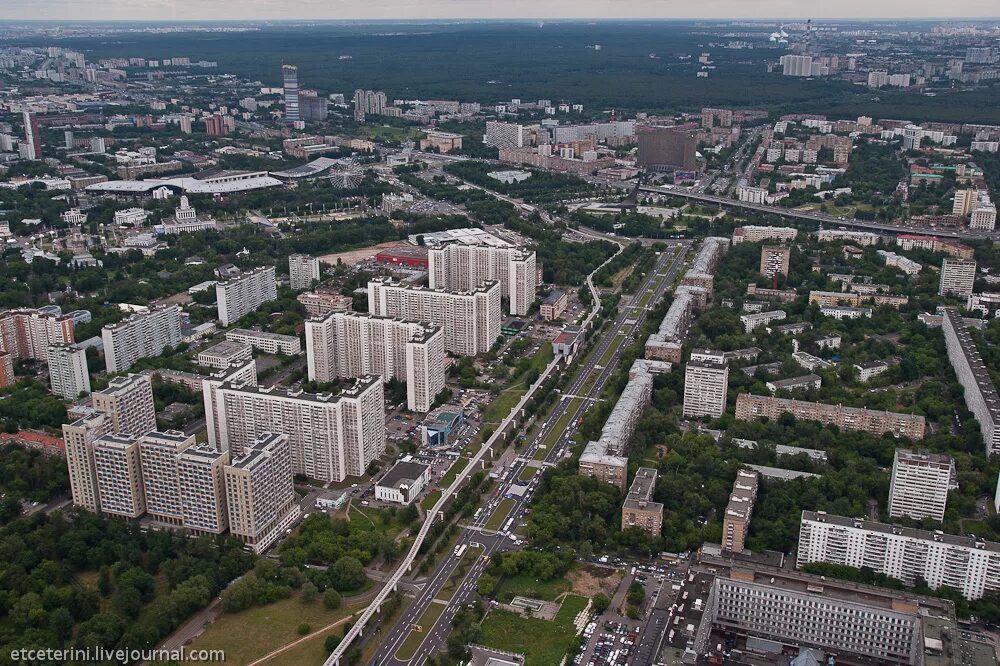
(255, 632)
(311, 651)
(527, 586)
(431, 499)
(453, 471)
(496, 521)
(458, 575)
(426, 622)
(500, 408)
(527, 473)
(542, 642)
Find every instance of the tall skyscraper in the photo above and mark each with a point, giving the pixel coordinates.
(159, 453)
(119, 476)
(290, 77)
(244, 294)
(460, 267)
(79, 437)
(128, 403)
(957, 276)
(303, 270)
(705, 385)
(470, 319)
(331, 436)
(68, 373)
(351, 344)
(260, 492)
(32, 137)
(141, 335)
(920, 484)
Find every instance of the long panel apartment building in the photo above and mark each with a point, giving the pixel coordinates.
(27, 333)
(351, 344)
(461, 267)
(331, 436)
(962, 562)
(244, 294)
(141, 335)
(639, 510)
(470, 319)
(877, 422)
(980, 394)
(607, 457)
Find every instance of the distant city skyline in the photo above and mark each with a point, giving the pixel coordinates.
(102, 10)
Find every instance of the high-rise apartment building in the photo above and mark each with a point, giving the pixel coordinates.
(159, 453)
(984, 214)
(243, 374)
(128, 403)
(119, 475)
(7, 377)
(244, 294)
(957, 276)
(796, 65)
(920, 484)
(79, 437)
(965, 563)
(290, 79)
(260, 492)
(666, 148)
(27, 333)
(859, 419)
(369, 103)
(470, 319)
(351, 344)
(505, 135)
(774, 260)
(303, 270)
(202, 484)
(739, 510)
(461, 267)
(705, 385)
(32, 146)
(331, 437)
(964, 201)
(68, 373)
(141, 335)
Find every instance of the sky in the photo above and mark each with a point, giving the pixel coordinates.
(173, 10)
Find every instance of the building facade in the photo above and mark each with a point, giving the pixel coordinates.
(303, 271)
(128, 403)
(705, 385)
(141, 335)
(244, 294)
(68, 373)
(461, 267)
(957, 277)
(739, 510)
(639, 510)
(920, 484)
(749, 406)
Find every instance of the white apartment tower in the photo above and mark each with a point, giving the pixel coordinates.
(260, 492)
(957, 276)
(303, 271)
(68, 373)
(246, 293)
(460, 267)
(159, 453)
(920, 484)
(119, 477)
(140, 336)
(331, 437)
(79, 438)
(470, 319)
(128, 403)
(504, 135)
(350, 344)
(241, 373)
(705, 385)
(202, 483)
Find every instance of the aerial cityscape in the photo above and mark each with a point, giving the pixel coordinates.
(457, 341)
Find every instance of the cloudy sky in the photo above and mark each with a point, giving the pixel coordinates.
(405, 9)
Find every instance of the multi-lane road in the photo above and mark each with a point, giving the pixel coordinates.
(585, 387)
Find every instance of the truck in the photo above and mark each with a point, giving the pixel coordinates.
(460, 550)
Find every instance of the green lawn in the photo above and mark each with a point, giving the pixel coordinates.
(496, 521)
(527, 473)
(311, 651)
(528, 586)
(458, 575)
(500, 408)
(453, 471)
(543, 643)
(431, 499)
(426, 622)
(255, 632)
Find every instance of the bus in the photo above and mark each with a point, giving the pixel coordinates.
(460, 550)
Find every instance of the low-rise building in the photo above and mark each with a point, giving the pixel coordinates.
(553, 305)
(224, 354)
(403, 483)
(639, 509)
(736, 521)
(876, 422)
(269, 343)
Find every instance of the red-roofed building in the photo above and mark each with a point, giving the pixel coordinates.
(412, 257)
(35, 440)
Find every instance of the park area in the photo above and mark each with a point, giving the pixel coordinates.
(542, 642)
